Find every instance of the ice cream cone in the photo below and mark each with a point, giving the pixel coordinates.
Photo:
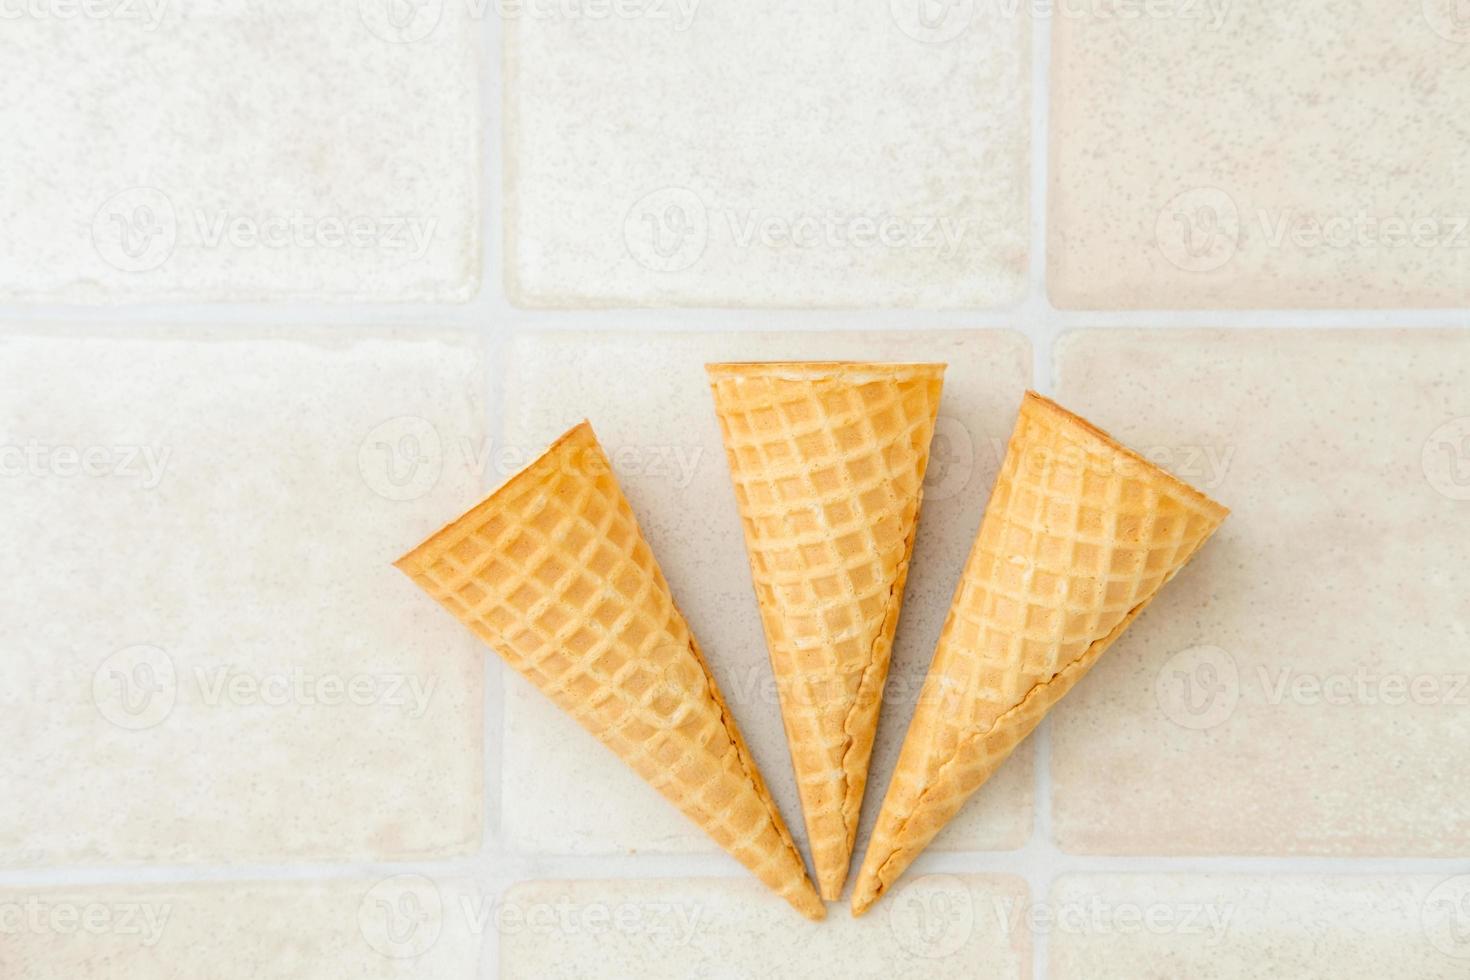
(1079, 536)
(828, 462)
(552, 571)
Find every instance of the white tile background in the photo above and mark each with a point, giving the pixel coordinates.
(492, 317)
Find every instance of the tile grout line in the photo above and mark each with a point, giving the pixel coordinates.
(1040, 848)
(492, 298)
(491, 314)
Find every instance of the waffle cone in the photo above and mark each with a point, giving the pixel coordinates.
(552, 571)
(1080, 534)
(828, 463)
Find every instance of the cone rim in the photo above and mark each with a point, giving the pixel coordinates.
(1039, 402)
(816, 370)
(430, 548)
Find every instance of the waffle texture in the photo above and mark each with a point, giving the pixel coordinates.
(553, 572)
(1080, 534)
(828, 462)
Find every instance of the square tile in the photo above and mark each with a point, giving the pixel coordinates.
(209, 655)
(649, 400)
(764, 154)
(228, 150)
(934, 926)
(1301, 688)
(406, 925)
(1251, 153)
(1227, 926)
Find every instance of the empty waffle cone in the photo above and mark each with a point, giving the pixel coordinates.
(1079, 536)
(828, 462)
(552, 571)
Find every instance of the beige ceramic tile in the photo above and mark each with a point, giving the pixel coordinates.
(224, 149)
(934, 926)
(649, 400)
(208, 654)
(761, 153)
(1302, 687)
(1224, 926)
(394, 928)
(1253, 153)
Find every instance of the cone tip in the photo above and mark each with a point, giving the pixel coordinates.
(807, 902)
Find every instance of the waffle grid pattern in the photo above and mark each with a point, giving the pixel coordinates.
(553, 572)
(1078, 537)
(828, 464)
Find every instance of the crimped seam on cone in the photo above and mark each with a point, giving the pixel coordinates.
(789, 879)
(804, 897)
(1103, 442)
(854, 778)
(857, 726)
(878, 869)
(856, 372)
(428, 552)
(872, 881)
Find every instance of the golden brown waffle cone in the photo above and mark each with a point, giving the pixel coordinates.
(828, 462)
(1079, 535)
(552, 571)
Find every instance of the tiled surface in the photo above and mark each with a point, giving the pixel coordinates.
(1225, 926)
(1302, 687)
(396, 927)
(936, 926)
(768, 154)
(209, 657)
(648, 398)
(659, 154)
(1260, 154)
(219, 149)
